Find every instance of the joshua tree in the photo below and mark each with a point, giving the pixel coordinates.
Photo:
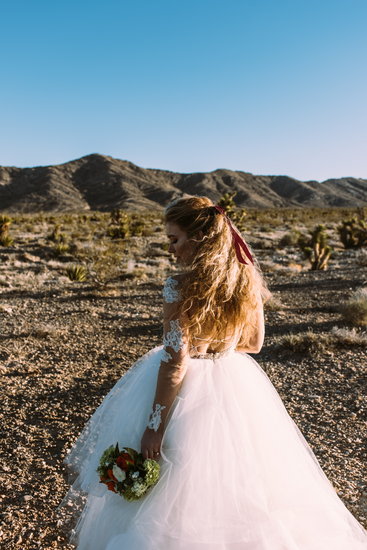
(315, 248)
(237, 215)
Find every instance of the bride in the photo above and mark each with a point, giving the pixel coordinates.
(236, 473)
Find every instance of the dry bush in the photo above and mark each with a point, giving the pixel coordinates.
(46, 331)
(279, 217)
(5, 238)
(311, 343)
(361, 257)
(274, 304)
(289, 239)
(6, 241)
(60, 249)
(270, 266)
(354, 310)
(308, 342)
(349, 337)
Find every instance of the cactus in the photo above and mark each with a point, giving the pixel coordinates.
(115, 216)
(61, 248)
(76, 273)
(236, 215)
(137, 228)
(122, 225)
(353, 233)
(56, 236)
(5, 239)
(315, 248)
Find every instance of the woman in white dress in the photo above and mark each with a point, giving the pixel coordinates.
(236, 472)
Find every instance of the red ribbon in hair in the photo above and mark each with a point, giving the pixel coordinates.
(239, 243)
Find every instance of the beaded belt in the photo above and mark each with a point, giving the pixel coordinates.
(212, 355)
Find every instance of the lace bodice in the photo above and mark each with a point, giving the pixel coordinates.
(171, 295)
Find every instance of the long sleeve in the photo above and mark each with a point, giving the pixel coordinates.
(173, 365)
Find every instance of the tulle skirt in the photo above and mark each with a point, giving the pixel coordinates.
(236, 472)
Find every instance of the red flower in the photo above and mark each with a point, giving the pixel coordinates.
(111, 486)
(110, 475)
(124, 460)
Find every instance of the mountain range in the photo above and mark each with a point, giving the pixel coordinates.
(100, 182)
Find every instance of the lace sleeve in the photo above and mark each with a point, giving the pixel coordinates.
(170, 291)
(173, 359)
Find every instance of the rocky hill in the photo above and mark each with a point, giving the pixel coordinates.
(98, 182)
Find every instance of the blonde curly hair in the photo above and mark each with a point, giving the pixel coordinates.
(219, 295)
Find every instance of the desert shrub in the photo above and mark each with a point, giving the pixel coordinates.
(354, 310)
(308, 342)
(118, 232)
(45, 331)
(137, 227)
(56, 236)
(77, 273)
(361, 257)
(273, 304)
(268, 266)
(348, 337)
(60, 249)
(312, 343)
(67, 219)
(309, 217)
(136, 273)
(5, 238)
(353, 233)
(96, 217)
(289, 239)
(119, 227)
(103, 259)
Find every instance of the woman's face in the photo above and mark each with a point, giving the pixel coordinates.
(179, 243)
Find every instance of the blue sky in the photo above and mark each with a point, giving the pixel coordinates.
(268, 87)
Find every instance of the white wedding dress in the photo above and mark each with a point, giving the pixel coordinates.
(236, 472)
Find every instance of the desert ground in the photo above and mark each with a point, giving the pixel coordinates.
(64, 343)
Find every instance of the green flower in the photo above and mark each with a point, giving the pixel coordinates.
(139, 488)
(152, 469)
(106, 459)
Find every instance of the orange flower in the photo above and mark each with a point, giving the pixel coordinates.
(124, 460)
(111, 486)
(110, 475)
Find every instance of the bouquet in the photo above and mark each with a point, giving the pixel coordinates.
(126, 472)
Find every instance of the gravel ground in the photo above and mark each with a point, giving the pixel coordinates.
(63, 345)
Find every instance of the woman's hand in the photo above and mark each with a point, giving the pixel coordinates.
(151, 443)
